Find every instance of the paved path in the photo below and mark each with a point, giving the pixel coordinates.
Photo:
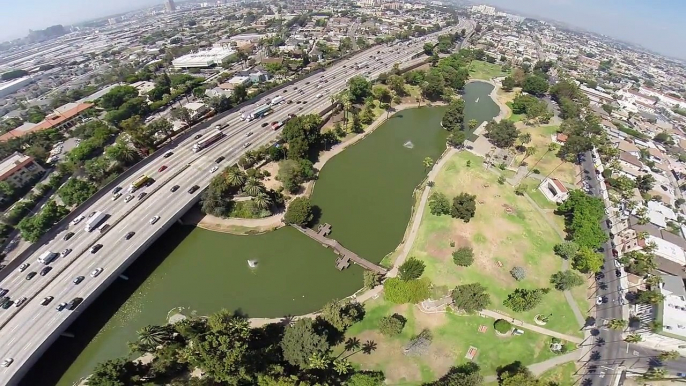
(532, 327)
(541, 367)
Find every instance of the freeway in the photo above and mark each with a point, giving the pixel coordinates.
(26, 331)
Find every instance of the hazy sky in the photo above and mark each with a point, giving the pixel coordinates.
(656, 24)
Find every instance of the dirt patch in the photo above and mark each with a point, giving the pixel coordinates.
(509, 209)
(331, 123)
(438, 245)
(398, 367)
(428, 321)
(441, 357)
(273, 169)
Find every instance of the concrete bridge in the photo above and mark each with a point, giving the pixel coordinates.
(345, 256)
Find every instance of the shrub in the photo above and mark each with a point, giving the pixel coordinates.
(502, 326)
(501, 180)
(439, 204)
(518, 273)
(411, 269)
(470, 297)
(536, 171)
(464, 257)
(401, 291)
(391, 325)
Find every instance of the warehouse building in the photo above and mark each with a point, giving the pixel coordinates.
(204, 59)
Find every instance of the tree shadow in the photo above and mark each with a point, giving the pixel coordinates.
(316, 215)
(512, 368)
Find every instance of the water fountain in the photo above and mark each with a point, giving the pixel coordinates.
(409, 145)
(252, 263)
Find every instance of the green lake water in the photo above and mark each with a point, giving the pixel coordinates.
(365, 193)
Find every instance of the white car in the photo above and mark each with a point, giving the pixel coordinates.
(599, 300)
(214, 169)
(96, 272)
(246, 144)
(66, 252)
(618, 264)
(116, 196)
(7, 362)
(77, 220)
(154, 219)
(249, 133)
(128, 198)
(23, 267)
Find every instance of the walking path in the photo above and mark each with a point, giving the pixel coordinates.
(532, 327)
(541, 367)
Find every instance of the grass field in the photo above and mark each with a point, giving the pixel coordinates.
(540, 138)
(483, 70)
(507, 231)
(562, 375)
(452, 337)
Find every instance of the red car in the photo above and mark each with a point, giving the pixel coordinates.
(162, 168)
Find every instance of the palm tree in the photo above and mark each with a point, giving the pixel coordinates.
(654, 326)
(654, 281)
(368, 347)
(617, 324)
(428, 162)
(531, 150)
(152, 336)
(121, 153)
(473, 123)
(525, 138)
(262, 201)
(633, 338)
(654, 373)
(668, 356)
(319, 361)
(341, 366)
(253, 187)
(551, 147)
(235, 177)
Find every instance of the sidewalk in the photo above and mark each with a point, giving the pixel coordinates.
(532, 327)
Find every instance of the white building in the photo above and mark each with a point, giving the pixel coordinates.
(667, 250)
(202, 59)
(12, 86)
(485, 9)
(554, 190)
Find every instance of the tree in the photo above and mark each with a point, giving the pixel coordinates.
(240, 93)
(583, 216)
(292, 173)
(508, 83)
(360, 88)
(668, 356)
(401, 291)
(122, 153)
(428, 49)
(633, 338)
(299, 212)
(522, 299)
(342, 314)
(473, 123)
(439, 204)
(463, 257)
(645, 183)
(433, 86)
(518, 273)
(411, 269)
(566, 280)
(650, 297)
(152, 336)
(115, 372)
(302, 134)
(300, 342)
(617, 324)
(464, 207)
(519, 377)
(566, 249)
(502, 326)
(366, 378)
(183, 114)
(463, 375)
(76, 191)
(470, 297)
(454, 115)
(587, 260)
(502, 134)
(391, 325)
(371, 279)
(654, 374)
(535, 85)
(117, 96)
(456, 139)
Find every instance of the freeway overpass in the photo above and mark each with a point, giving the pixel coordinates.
(27, 331)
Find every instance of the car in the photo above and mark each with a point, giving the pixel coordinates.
(23, 267)
(300, 108)
(155, 219)
(168, 154)
(618, 272)
(95, 248)
(128, 198)
(295, 88)
(275, 123)
(92, 214)
(141, 195)
(21, 301)
(617, 263)
(45, 270)
(68, 236)
(97, 272)
(289, 102)
(162, 168)
(3, 291)
(116, 196)
(7, 362)
(46, 300)
(219, 159)
(193, 189)
(129, 235)
(61, 306)
(74, 303)
(6, 302)
(265, 124)
(599, 300)
(599, 276)
(116, 190)
(249, 133)
(285, 90)
(31, 275)
(77, 220)
(78, 279)
(681, 375)
(615, 253)
(307, 82)
(197, 136)
(246, 144)
(174, 188)
(66, 252)
(298, 102)
(214, 169)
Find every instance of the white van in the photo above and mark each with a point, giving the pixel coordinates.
(319, 96)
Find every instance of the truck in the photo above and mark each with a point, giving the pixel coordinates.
(276, 100)
(259, 112)
(361, 65)
(209, 140)
(47, 257)
(94, 221)
(138, 183)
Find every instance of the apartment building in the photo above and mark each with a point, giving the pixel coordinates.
(17, 170)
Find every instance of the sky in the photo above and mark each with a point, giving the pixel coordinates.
(657, 25)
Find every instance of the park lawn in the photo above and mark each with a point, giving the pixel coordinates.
(506, 229)
(479, 69)
(562, 375)
(545, 161)
(452, 337)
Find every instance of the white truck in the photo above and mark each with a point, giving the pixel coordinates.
(276, 100)
(47, 257)
(94, 221)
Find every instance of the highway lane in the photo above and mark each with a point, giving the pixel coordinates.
(35, 326)
(82, 238)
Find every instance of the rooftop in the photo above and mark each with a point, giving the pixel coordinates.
(13, 163)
